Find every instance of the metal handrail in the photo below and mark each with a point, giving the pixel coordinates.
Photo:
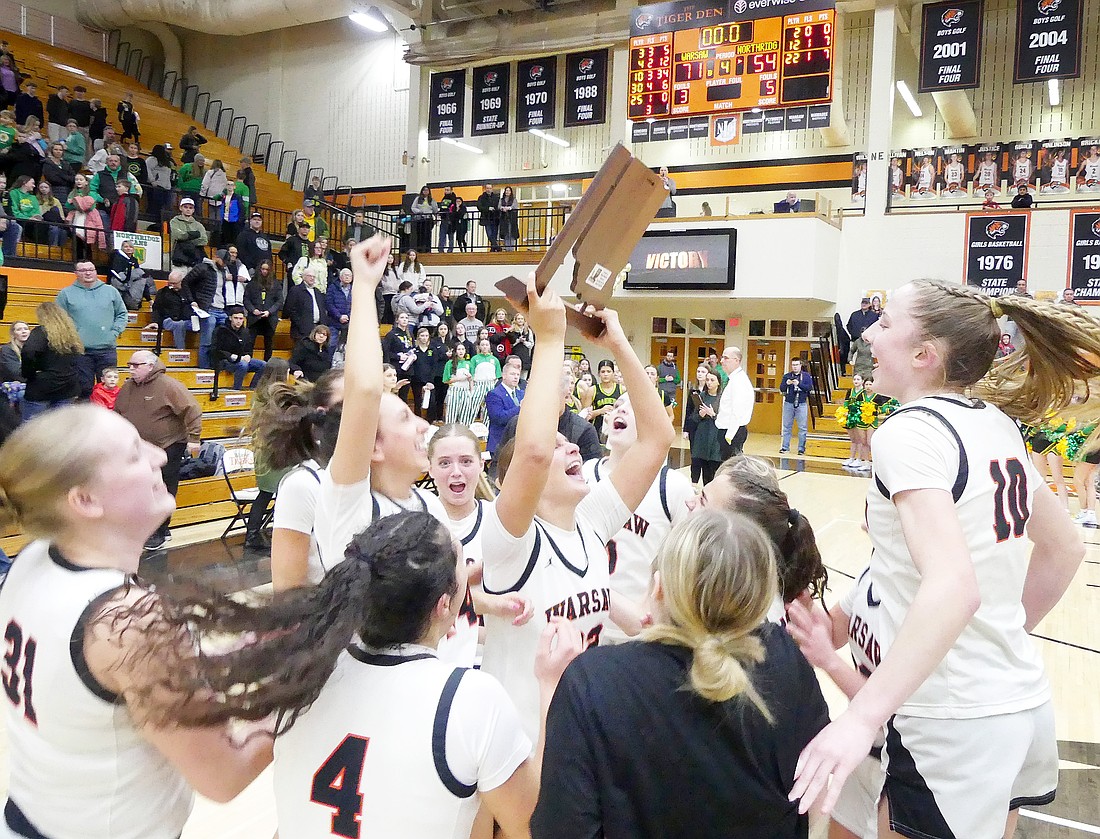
(244, 146)
(282, 163)
(210, 103)
(263, 141)
(218, 123)
(236, 129)
(135, 54)
(187, 91)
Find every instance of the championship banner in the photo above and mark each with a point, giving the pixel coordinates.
(586, 88)
(1088, 164)
(996, 251)
(951, 46)
(1048, 40)
(953, 172)
(489, 110)
(536, 93)
(985, 174)
(924, 173)
(447, 105)
(1084, 256)
(1055, 166)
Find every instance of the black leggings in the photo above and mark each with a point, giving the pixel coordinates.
(263, 327)
(257, 512)
(704, 469)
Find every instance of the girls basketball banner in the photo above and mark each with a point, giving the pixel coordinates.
(996, 251)
(1084, 256)
(951, 46)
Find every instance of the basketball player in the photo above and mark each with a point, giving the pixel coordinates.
(365, 482)
(953, 175)
(86, 761)
(1022, 169)
(859, 186)
(544, 537)
(454, 458)
(897, 177)
(988, 175)
(631, 552)
(605, 394)
(959, 681)
(1058, 173)
(926, 178)
(1088, 173)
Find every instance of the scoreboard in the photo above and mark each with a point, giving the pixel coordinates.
(732, 66)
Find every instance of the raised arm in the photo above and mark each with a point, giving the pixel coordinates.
(350, 464)
(636, 471)
(536, 431)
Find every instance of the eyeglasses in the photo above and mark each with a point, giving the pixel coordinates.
(140, 364)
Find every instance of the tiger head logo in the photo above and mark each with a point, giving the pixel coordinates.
(1096, 228)
(536, 71)
(447, 83)
(491, 77)
(643, 21)
(953, 16)
(996, 229)
(587, 64)
(1049, 7)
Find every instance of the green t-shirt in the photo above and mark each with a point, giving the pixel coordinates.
(7, 137)
(24, 205)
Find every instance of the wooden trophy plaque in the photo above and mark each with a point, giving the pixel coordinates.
(603, 229)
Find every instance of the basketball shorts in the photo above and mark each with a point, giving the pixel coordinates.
(857, 807)
(958, 778)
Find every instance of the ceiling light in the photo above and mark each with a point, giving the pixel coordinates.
(556, 140)
(906, 95)
(461, 145)
(559, 188)
(370, 19)
(1054, 93)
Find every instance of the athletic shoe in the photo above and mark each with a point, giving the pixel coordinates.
(863, 466)
(802, 453)
(157, 541)
(784, 451)
(850, 462)
(1086, 518)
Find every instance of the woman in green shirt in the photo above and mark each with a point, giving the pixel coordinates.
(26, 209)
(458, 375)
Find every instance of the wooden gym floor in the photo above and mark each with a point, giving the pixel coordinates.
(833, 501)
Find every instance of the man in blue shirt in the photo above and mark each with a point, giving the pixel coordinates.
(795, 387)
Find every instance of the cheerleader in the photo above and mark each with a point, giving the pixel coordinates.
(856, 416)
(1085, 463)
(1046, 446)
(544, 538)
(959, 682)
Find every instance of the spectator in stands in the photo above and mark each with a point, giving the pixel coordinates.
(522, 341)
(338, 300)
(1069, 297)
(232, 280)
(128, 118)
(509, 218)
(29, 105)
(295, 248)
(305, 306)
(391, 281)
(172, 309)
(312, 356)
(98, 161)
(313, 191)
(498, 335)
(315, 262)
(214, 185)
(51, 359)
(108, 140)
(397, 345)
(233, 345)
(481, 311)
(188, 235)
(80, 110)
(1022, 200)
(134, 164)
(318, 227)
(668, 377)
(459, 225)
(124, 211)
(58, 172)
(425, 213)
(9, 82)
(125, 273)
(860, 319)
(411, 269)
(100, 317)
(25, 157)
(25, 208)
(253, 245)
(57, 114)
(668, 206)
(339, 261)
(231, 212)
(106, 390)
(76, 145)
(501, 405)
(246, 176)
(263, 298)
(359, 228)
(190, 180)
(488, 211)
(577, 431)
(12, 382)
(201, 284)
(106, 186)
(159, 171)
(166, 414)
(53, 214)
(296, 219)
(8, 132)
(446, 206)
(990, 202)
(471, 323)
(98, 127)
(189, 145)
(84, 219)
(448, 303)
(431, 309)
(422, 373)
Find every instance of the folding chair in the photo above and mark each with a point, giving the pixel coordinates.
(235, 461)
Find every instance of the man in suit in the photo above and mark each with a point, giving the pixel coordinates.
(471, 296)
(501, 404)
(305, 306)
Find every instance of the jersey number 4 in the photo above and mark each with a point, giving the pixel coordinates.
(1010, 512)
(18, 689)
(336, 785)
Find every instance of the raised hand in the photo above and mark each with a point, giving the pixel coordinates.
(368, 259)
(545, 312)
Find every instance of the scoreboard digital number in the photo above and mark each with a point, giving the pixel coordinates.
(765, 63)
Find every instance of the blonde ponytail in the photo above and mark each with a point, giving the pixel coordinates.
(718, 577)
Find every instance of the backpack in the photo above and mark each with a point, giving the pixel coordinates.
(206, 465)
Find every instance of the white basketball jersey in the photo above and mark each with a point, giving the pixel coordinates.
(1092, 169)
(1021, 171)
(925, 177)
(977, 454)
(953, 174)
(861, 182)
(461, 648)
(344, 510)
(79, 769)
(862, 608)
(296, 509)
(631, 552)
(562, 572)
(396, 745)
(896, 176)
(1059, 172)
(987, 175)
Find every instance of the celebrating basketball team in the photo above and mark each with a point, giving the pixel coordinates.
(580, 649)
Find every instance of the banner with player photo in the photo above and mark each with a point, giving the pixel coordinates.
(1055, 164)
(953, 172)
(924, 173)
(996, 251)
(1084, 256)
(899, 172)
(1022, 170)
(859, 178)
(986, 171)
(1088, 164)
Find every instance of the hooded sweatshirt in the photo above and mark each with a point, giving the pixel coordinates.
(98, 312)
(161, 408)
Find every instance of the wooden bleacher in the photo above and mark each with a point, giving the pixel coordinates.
(199, 500)
(161, 122)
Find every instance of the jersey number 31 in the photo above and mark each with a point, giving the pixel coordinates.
(18, 689)
(336, 785)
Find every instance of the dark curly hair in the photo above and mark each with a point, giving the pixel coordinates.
(215, 657)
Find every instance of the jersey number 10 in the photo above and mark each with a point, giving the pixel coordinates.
(1010, 512)
(336, 785)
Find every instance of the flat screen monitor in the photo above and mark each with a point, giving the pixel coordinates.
(684, 260)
